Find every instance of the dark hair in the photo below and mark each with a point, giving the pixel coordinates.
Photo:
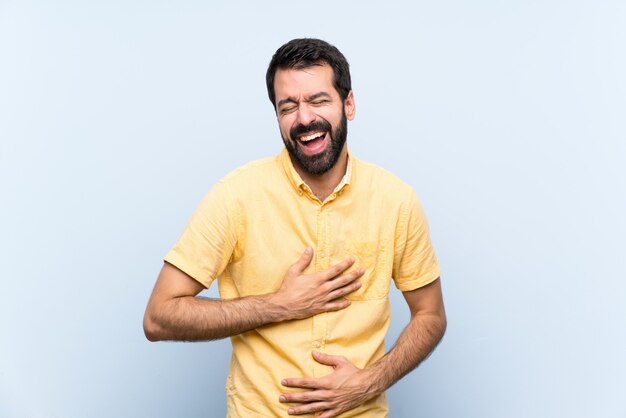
(308, 52)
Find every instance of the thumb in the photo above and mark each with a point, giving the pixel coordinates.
(327, 359)
(303, 262)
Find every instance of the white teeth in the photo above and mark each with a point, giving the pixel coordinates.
(312, 136)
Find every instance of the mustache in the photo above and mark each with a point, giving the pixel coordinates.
(320, 125)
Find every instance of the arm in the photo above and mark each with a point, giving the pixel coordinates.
(175, 313)
(349, 386)
(425, 330)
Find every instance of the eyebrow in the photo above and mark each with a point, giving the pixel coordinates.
(308, 99)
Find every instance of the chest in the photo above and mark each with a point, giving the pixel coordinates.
(273, 233)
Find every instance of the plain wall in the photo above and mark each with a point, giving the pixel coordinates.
(508, 118)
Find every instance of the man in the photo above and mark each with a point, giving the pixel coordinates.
(307, 336)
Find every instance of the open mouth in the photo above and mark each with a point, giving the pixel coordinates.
(312, 143)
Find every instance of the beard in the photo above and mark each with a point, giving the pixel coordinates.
(322, 162)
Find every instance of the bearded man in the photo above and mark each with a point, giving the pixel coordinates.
(304, 246)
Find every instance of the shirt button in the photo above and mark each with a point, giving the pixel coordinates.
(317, 344)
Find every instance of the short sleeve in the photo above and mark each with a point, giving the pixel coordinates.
(414, 263)
(208, 241)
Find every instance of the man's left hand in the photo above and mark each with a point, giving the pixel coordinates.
(345, 388)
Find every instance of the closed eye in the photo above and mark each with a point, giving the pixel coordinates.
(288, 109)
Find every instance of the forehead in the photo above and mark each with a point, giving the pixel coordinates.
(304, 82)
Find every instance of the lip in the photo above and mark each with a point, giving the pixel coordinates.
(315, 146)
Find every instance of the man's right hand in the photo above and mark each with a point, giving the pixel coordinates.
(304, 295)
(175, 313)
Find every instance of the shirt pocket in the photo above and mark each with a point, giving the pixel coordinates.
(373, 257)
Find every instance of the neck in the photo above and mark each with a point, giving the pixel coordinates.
(322, 185)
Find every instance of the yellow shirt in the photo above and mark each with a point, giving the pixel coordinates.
(257, 221)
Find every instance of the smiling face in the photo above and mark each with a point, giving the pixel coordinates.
(312, 117)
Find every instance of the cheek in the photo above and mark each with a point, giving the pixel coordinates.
(284, 132)
(284, 125)
(331, 116)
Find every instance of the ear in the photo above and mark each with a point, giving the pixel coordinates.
(349, 107)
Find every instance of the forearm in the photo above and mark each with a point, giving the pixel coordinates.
(415, 343)
(174, 312)
(191, 318)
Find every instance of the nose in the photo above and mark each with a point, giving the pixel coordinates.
(305, 114)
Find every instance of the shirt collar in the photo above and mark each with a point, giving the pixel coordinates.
(297, 182)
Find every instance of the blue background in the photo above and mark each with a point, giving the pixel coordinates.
(508, 118)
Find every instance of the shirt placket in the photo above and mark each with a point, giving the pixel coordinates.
(320, 321)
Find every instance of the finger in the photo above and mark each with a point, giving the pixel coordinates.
(328, 359)
(302, 382)
(343, 291)
(337, 305)
(303, 262)
(330, 413)
(346, 278)
(308, 408)
(340, 294)
(337, 269)
(308, 396)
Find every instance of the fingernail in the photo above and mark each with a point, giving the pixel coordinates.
(290, 411)
(283, 382)
(358, 284)
(308, 250)
(282, 398)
